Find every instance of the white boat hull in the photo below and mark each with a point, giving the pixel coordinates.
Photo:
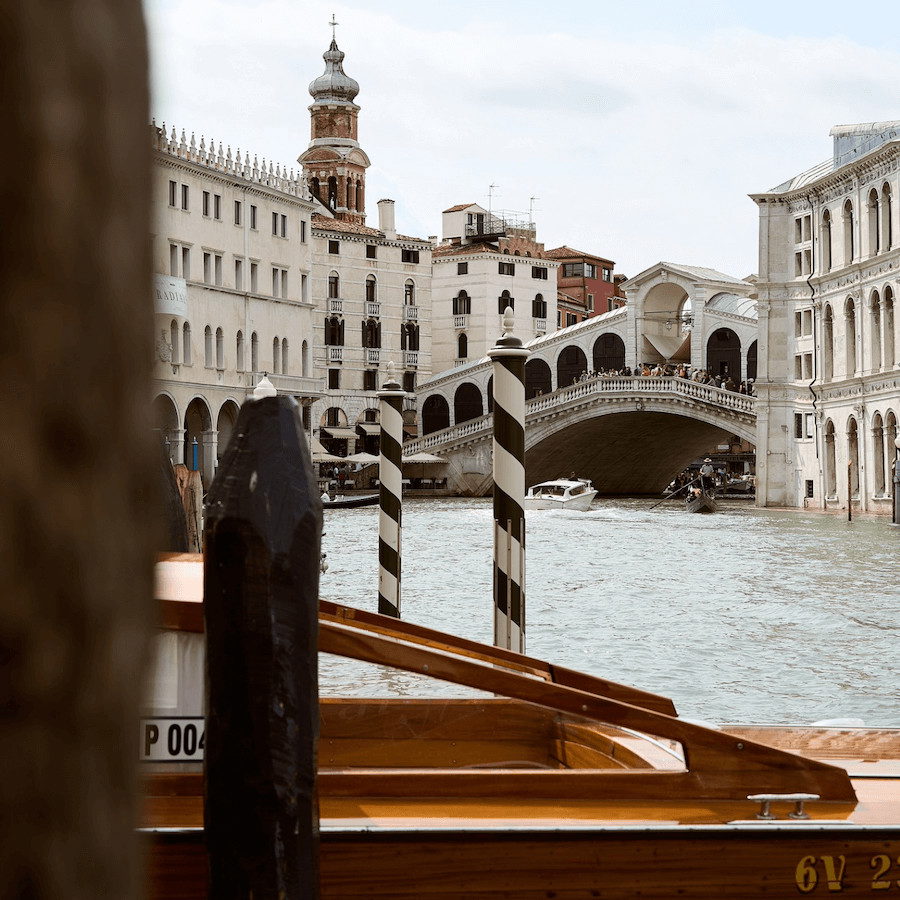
(580, 502)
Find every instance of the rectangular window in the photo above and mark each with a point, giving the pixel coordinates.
(798, 367)
(334, 246)
(809, 488)
(185, 263)
(558, 318)
(798, 231)
(409, 382)
(237, 212)
(607, 274)
(807, 262)
(173, 192)
(807, 321)
(253, 217)
(409, 256)
(205, 203)
(462, 268)
(239, 274)
(276, 282)
(798, 323)
(807, 366)
(571, 319)
(173, 260)
(275, 223)
(807, 228)
(284, 226)
(808, 424)
(798, 426)
(590, 302)
(284, 289)
(798, 264)
(370, 380)
(590, 270)
(254, 277)
(539, 272)
(303, 231)
(334, 379)
(217, 207)
(304, 288)
(371, 251)
(185, 197)
(207, 268)
(506, 268)
(217, 268)
(575, 270)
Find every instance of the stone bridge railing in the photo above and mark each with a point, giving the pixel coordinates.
(635, 387)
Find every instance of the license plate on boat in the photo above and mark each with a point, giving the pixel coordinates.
(173, 739)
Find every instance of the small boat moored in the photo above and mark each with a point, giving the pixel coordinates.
(342, 502)
(574, 493)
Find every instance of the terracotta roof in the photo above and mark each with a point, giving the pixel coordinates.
(326, 223)
(464, 250)
(565, 252)
(459, 206)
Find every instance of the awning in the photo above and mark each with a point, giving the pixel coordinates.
(423, 458)
(339, 434)
(320, 454)
(365, 458)
(372, 429)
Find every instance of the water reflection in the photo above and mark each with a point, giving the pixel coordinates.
(747, 615)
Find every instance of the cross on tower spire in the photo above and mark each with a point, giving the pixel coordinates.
(333, 23)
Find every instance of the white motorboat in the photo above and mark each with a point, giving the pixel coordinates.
(561, 494)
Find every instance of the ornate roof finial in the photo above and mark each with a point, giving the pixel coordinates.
(334, 86)
(333, 23)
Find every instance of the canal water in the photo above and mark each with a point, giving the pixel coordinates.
(748, 615)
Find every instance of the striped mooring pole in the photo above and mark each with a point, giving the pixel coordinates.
(390, 475)
(508, 357)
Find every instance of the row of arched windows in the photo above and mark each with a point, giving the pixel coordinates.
(879, 228)
(334, 289)
(462, 304)
(214, 350)
(882, 353)
(882, 436)
(346, 191)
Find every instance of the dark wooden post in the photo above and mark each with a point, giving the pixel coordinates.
(79, 481)
(261, 582)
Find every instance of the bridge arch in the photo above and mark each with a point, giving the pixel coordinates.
(467, 403)
(752, 353)
(609, 352)
(538, 378)
(570, 363)
(435, 414)
(723, 353)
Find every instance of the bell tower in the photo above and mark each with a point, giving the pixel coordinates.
(334, 165)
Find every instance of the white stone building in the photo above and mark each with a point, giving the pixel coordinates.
(829, 376)
(483, 264)
(371, 286)
(232, 256)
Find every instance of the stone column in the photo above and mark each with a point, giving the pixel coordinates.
(176, 445)
(209, 441)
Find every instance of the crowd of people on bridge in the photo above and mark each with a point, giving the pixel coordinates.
(670, 370)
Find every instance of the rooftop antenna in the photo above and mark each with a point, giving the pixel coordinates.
(333, 23)
(531, 209)
(491, 189)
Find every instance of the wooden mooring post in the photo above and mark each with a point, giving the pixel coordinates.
(261, 581)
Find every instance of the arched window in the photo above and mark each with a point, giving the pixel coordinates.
(467, 403)
(875, 330)
(334, 285)
(538, 378)
(254, 353)
(276, 356)
(371, 333)
(827, 343)
(360, 202)
(208, 347)
(350, 194)
(887, 224)
(890, 349)
(462, 348)
(173, 341)
(609, 353)
(830, 461)
(239, 351)
(409, 336)
(462, 304)
(505, 300)
(539, 307)
(873, 222)
(826, 241)
(371, 289)
(332, 192)
(314, 188)
(723, 354)
(850, 315)
(334, 331)
(849, 248)
(304, 359)
(220, 349)
(570, 365)
(409, 293)
(435, 414)
(853, 456)
(284, 356)
(878, 454)
(186, 344)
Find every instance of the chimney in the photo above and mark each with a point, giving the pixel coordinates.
(386, 219)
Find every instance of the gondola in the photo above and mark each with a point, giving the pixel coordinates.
(700, 500)
(341, 502)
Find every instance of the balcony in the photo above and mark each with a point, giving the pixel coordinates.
(335, 305)
(335, 354)
(373, 308)
(461, 361)
(373, 355)
(410, 313)
(540, 326)
(460, 321)
(410, 357)
(298, 385)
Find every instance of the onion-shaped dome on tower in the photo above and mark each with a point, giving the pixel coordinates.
(334, 86)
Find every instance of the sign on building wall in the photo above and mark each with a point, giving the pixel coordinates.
(170, 295)
(172, 739)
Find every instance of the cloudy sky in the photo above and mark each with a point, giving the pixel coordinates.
(640, 128)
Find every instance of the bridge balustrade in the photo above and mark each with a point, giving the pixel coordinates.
(634, 386)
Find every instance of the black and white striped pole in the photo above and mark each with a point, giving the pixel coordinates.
(390, 475)
(508, 357)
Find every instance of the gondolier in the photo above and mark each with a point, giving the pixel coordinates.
(706, 474)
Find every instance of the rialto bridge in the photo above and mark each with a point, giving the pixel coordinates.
(628, 434)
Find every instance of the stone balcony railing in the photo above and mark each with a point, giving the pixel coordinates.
(460, 321)
(335, 354)
(335, 305)
(300, 385)
(540, 326)
(373, 355)
(410, 357)
(410, 313)
(373, 308)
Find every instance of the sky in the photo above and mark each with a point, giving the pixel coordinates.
(640, 129)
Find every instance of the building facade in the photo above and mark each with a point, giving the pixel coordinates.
(484, 264)
(232, 261)
(586, 285)
(371, 287)
(829, 380)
